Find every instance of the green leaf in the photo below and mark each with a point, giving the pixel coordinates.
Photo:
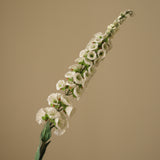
(46, 132)
(46, 117)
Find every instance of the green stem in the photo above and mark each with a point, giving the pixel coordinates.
(44, 140)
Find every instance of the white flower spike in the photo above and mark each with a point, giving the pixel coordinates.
(57, 115)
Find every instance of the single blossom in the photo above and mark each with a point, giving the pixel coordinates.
(99, 37)
(61, 124)
(88, 62)
(79, 60)
(60, 84)
(101, 53)
(77, 78)
(53, 99)
(91, 70)
(83, 53)
(92, 46)
(51, 112)
(91, 55)
(86, 77)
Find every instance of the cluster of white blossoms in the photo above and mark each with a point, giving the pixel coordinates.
(58, 113)
(77, 77)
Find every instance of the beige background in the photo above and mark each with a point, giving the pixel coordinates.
(118, 117)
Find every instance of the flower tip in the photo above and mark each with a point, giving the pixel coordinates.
(130, 12)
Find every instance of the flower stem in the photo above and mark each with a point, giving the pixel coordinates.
(44, 140)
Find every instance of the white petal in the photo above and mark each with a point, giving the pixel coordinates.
(41, 113)
(86, 75)
(75, 67)
(99, 37)
(69, 74)
(104, 46)
(91, 70)
(65, 100)
(109, 44)
(70, 84)
(80, 59)
(76, 92)
(69, 110)
(88, 62)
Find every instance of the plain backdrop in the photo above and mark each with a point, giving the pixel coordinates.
(118, 116)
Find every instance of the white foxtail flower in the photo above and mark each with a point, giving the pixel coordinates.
(61, 109)
(60, 84)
